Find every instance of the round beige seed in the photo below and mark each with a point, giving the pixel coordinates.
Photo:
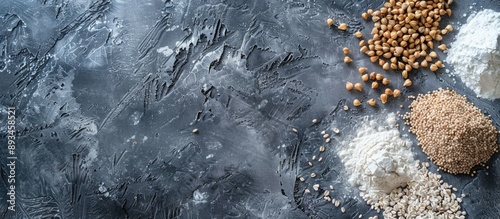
(348, 85)
(358, 87)
(329, 21)
(356, 102)
(346, 50)
(383, 98)
(407, 83)
(396, 93)
(362, 70)
(372, 102)
(365, 77)
(343, 26)
(386, 81)
(388, 92)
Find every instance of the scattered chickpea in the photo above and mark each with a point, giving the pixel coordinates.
(356, 102)
(346, 50)
(388, 92)
(386, 66)
(433, 67)
(329, 21)
(348, 85)
(433, 54)
(302, 179)
(396, 93)
(364, 16)
(314, 121)
(195, 131)
(439, 64)
(404, 73)
(358, 87)
(362, 70)
(325, 136)
(379, 77)
(374, 85)
(358, 34)
(295, 130)
(383, 98)
(407, 83)
(386, 81)
(313, 175)
(449, 28)
(365, 77)
(343, 26)
(372, 102)
(347, 59)
(373, 76)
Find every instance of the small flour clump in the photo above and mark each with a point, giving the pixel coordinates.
(475, 54)
(377, 159)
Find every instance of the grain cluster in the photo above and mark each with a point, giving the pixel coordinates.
(404, 33)
(453, 133)
(427, 197)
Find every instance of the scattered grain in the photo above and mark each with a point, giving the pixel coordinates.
(388, 92)
(396, 93)
(346, 50)
(407, 83)
(383, 98)
(365, 77)
(349, 86)
(372, 102)
(329, 21)
(386, 81)
(356, 102)
(321, 148)
(358, 87)
(316, 187)
(362, 70)
(343, 26)
(347, 59)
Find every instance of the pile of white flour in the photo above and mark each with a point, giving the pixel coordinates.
(377, 159)
(475, 54)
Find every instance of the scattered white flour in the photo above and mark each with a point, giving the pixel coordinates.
(377, 159)
(475, 54)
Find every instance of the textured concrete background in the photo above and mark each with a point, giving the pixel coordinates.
(108, 93)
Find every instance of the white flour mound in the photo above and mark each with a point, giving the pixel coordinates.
(475, 54)
(377, 159)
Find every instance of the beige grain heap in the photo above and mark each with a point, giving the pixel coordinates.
(453, 133)
(404, 33)
(426, 197)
